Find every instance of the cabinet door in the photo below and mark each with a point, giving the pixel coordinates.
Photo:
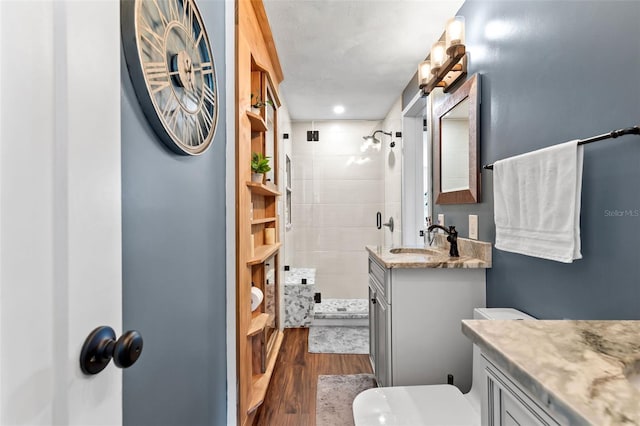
(372, 326)
(514, 413)
(508, 405)
(383, 339)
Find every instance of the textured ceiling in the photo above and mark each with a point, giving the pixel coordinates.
(359, 54)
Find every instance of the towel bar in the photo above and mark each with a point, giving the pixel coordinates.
(635, 130)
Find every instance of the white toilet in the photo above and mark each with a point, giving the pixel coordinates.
(429, 405)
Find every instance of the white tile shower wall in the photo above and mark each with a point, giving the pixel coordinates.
(392, 166)
(338, 186)
(326, 260)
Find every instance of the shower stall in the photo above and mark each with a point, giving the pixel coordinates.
(337, 187)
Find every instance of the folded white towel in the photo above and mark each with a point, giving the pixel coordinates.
(537, 202)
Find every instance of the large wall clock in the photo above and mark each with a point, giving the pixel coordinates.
(172, 70)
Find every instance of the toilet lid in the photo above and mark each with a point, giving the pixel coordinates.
(442, 405)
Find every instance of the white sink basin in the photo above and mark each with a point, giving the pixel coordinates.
(416, 250)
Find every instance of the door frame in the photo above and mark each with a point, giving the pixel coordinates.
(412, 168)
(230, 59)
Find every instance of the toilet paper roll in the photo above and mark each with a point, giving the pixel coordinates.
(256, 298)
(270, 236)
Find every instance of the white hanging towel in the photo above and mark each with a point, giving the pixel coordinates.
(537, 202)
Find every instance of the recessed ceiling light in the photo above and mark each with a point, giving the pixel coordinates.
(338, 109)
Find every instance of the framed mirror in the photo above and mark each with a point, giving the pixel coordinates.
(456, 171)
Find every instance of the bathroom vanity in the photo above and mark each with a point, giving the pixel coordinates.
(417, 298)
(559, 372)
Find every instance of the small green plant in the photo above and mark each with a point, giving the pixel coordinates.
(260, 163)
(259, 103)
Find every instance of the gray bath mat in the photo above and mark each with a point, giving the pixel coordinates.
(335, 395)
(339, 340)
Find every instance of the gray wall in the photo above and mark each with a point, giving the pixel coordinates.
(173, 215)
(553, 72)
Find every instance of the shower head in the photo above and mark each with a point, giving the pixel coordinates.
(372, 137)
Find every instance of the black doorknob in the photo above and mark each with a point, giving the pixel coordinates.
(101, 345)
(128, 349)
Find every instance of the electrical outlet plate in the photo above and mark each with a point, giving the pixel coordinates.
(473, 226)
(441, 219)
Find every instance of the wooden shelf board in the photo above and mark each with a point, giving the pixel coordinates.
(260, 382)
(258, 323)
(263, 189)
(262, 253)
(265, 220)
(257, 122)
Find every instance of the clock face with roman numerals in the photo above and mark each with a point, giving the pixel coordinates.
(172, 70)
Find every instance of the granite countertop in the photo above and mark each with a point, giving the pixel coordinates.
(576, 367)
(473, 254)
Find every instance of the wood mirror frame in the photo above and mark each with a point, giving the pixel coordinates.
(470, 89)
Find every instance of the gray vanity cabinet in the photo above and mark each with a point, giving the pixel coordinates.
(383, 342)
(372, 324)
(570, 372)
(379, 327)
(414, 317)
(505, 403)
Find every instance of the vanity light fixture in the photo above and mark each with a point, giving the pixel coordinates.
(447, 61)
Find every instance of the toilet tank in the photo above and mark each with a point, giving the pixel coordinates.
(500, 314)
(488, 314)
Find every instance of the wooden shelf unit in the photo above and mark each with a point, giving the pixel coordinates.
(257, 122)
(263, 252)
(259, 337)
(264, 220)
(263, 189)
(258, 323)
(260, 382)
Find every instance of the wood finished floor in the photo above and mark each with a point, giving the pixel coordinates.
(291, 397)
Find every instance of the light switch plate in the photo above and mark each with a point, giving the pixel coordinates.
(473, 226)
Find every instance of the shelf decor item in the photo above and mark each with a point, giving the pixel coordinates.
(259, 103)
(259, 166)
(269, 236)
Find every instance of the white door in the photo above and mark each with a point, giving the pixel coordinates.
(60, 215)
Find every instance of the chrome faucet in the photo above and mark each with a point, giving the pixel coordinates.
(452, 237)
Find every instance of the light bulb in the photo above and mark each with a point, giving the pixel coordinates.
(437, 56)
(424, 73)
(455, 32)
